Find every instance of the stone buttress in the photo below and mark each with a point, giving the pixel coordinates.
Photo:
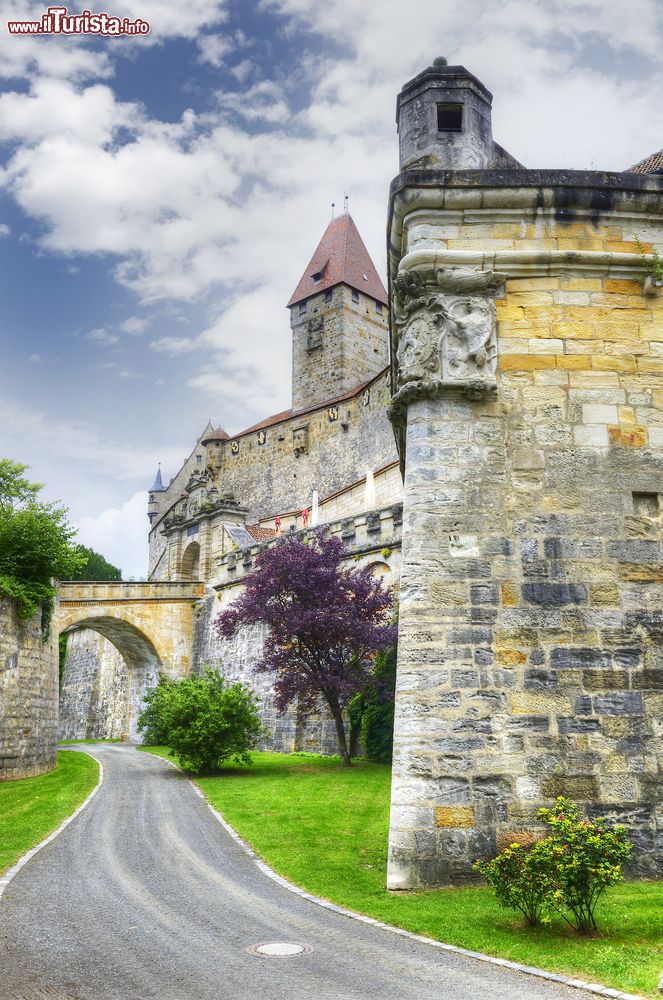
(528, 395)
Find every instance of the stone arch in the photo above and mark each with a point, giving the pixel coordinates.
(190, 564)
(380, 568)
(121, 670)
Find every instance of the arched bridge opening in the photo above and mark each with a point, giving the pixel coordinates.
(120, 638)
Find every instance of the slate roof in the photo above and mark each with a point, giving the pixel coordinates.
(157, 486)
(341, 258)
(650, 165)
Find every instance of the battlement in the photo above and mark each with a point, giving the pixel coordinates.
(374, 533)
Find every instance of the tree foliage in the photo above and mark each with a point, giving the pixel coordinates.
(95, 566)
(325, 624)
(568, 871)
(35, 542)
(372, 710)
(202, 720)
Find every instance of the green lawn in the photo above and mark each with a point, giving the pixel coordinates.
(325, 828)
(31, 808)
(67, 743)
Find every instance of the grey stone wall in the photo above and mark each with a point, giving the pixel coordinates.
(278, 474)
(28, 695)
(235, 659)
(94, 697)
(337, 343)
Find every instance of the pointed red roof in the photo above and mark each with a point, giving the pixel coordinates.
(341, 258)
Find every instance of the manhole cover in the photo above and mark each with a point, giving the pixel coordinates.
(279, 949)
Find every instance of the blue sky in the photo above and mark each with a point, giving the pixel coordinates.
(159, 199)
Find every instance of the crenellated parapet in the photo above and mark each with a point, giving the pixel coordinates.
(372, 537)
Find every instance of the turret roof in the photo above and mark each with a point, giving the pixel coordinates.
(341, 258)
(214, 434)
(157, 486)
(652, 164)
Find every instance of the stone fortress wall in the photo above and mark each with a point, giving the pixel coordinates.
(28, 695)
(528, 377)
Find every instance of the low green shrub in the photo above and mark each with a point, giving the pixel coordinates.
(568, 871)
(202, 720)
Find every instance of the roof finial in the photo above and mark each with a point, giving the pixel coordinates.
(333, 207)
(346, 199)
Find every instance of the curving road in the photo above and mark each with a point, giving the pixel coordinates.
(146, 896)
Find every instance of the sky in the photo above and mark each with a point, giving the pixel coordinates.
(161, 194)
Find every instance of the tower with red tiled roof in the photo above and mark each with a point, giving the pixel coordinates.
(339, 318)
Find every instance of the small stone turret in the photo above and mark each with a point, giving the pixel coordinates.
(154, 499)
(444, 122)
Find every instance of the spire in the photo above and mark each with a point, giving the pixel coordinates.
(157, 486)
(341, 258)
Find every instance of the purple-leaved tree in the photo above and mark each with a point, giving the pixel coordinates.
(325, 621)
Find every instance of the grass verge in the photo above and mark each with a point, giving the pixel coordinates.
(325, 828)
(31, 808)
(67, 743)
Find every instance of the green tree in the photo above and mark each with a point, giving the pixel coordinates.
(95, 566)
(372, 710)
(202, 720)
(35, 543)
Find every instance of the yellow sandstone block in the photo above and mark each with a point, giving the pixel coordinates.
(626, 415)
(654, 365)
(628, 437)
(622, 285)
(510, 595)
(510, 657)
(455, 816)
(581, 284)
(530, 298)
(612, 363)
(539, 703)
(523, 362)
(531, 284)
(575, 361)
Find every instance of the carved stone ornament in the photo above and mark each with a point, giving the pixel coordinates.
(446, 333)
(314, 331)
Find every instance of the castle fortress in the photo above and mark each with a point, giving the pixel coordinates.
(526, 391)
(330, 459)
(233, 491)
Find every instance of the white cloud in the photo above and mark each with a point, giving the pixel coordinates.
(4, 229)
(263, 101)
(173, 346)
(35, 359)
(120, 535)
(135, 325)
(100, 336)
(214, 49)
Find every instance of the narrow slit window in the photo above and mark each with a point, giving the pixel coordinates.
(450, 117)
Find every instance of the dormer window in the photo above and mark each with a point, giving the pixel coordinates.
(319, 274)
(450, 117)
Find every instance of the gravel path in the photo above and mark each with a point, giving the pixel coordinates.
(146, 897)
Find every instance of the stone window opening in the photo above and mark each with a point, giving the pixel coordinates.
(199, 459)
(302, 307)
(450, 117)
(328, 295)
(355, 295)
(646, 504)
(378, 307)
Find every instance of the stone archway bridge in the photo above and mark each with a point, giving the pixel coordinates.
(150, 623)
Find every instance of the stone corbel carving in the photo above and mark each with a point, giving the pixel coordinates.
(446, 333)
